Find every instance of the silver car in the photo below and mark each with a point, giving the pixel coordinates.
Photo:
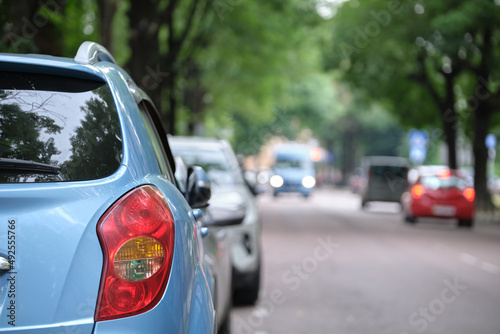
(232, 203)
(217, 247)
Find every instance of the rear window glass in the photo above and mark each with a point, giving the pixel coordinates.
(388, 171)
(55, 128)
(434, 182)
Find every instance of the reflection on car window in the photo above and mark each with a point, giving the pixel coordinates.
(434, 182)
(65, 122)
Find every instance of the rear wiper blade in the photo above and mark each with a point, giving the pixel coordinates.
(25, 166)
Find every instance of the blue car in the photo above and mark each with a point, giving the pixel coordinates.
(95, 235)
(293, 169)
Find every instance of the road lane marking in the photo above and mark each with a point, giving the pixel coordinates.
(469, 259)
(489, 267)
(476, 262)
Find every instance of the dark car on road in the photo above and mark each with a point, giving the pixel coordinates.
(386, 179)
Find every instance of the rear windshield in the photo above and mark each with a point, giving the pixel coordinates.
(388, 171)
(55, 128)
(434, 182)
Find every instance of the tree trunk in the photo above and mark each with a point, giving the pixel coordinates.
(446, 105)
(193, 99)
(481, 119)
(32, 27)
(107, 9)
(350, 129)
(144, 65)
(171, 115)
(482, 116)
(449, 117)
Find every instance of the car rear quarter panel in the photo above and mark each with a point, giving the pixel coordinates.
(187, 305)
(188, 295)
(58, 259)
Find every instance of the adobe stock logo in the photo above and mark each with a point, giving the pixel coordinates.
(420, 319)
(292, 279)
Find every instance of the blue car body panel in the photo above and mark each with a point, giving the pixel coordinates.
(58, 259)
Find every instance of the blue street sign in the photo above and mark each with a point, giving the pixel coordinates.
(491, 141)
(418, 142)
(417, 138)
(417, 154)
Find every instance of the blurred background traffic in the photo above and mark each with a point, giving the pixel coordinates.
(353, 77)
(316, 98)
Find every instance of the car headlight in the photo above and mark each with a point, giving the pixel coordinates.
(276, 181)
(308, 181)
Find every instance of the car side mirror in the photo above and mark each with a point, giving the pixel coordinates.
(225, 217)
(198, 190)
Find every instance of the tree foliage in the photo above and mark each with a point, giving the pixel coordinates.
(426, 63)
(247, 70)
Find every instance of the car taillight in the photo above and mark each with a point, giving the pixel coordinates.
(137, 238)
(417, 191)
(469, 194)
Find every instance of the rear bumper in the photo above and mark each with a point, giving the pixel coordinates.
(442, 209)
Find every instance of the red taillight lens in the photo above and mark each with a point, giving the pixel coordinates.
(137, 238)
(469, 194)
(417, 191)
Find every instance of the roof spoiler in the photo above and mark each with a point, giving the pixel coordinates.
(92, 53)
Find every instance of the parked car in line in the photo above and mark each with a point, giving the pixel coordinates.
(356, 180)
(386, 179)
(96, 236)
(217, 246)
(441, 193)
(232, 202)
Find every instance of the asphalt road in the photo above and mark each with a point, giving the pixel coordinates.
(329, 267)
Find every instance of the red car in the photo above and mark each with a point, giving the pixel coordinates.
(442, 194)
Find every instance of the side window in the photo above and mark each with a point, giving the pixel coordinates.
(157, 141)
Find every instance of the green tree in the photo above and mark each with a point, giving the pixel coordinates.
(163, 35)
(420, 60)
(98, 130)
(257, 59)
(20, 129)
